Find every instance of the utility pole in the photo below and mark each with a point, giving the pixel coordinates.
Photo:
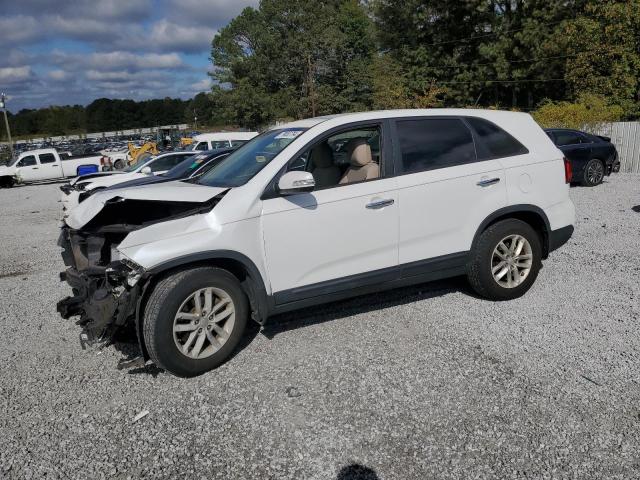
(195, 120)
(3, 106)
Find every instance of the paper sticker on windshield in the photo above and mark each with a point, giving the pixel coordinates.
(261, 158)
(289, 134)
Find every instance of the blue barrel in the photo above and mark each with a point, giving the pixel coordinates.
(87, 169)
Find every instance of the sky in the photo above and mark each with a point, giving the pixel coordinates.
(64, 52)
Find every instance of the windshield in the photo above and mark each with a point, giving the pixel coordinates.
(186, 167)
(12, 162)
(137, 165)
(243, 164)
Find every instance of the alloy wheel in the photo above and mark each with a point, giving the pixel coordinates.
(203, 323)
(511, 261)
(595, 172)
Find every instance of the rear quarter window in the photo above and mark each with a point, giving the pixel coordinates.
(494, 142)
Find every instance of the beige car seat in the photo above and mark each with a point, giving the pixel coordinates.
(325, 172)
(362, 167)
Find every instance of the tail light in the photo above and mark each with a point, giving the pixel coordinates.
(568, 173)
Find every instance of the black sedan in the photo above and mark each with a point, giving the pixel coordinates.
(592, 156)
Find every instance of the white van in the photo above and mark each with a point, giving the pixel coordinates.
(214, 141)
(314, 211)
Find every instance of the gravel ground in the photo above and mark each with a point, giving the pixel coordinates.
(424, 382)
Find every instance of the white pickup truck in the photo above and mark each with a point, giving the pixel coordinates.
(44, 164)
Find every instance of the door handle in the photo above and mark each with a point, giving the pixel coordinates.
(488, 182)
(380, 204)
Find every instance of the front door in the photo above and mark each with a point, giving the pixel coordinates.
(28, 169)
(342, 234)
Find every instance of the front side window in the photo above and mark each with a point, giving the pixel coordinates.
(347, 157)
(243, 164)
(493, 142)
(29, 161)
(47, 158)
(432, 143)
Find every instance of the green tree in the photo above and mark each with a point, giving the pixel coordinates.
(589, 112)
(293, 58)
(603, 48)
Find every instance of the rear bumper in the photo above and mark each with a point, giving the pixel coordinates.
(559, 237)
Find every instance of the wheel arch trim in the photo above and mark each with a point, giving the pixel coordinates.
(512, 211)
(254, 287)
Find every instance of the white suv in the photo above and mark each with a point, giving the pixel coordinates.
(311, 212)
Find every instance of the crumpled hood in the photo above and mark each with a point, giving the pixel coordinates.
(170, 193)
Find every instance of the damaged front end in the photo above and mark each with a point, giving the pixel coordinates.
(105, 291)
(106, 285)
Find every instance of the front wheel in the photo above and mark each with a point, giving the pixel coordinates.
(194, 319)
(505, 261)
(593, 173)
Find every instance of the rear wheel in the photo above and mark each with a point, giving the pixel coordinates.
(593, 173)
(506, 260)
(119, 165)
(194, 319)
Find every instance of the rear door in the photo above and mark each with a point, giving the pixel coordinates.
(49, 166)
(445, 191)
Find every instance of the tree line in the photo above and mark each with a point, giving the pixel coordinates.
(289, 59)
(293, 58)
(101, 115)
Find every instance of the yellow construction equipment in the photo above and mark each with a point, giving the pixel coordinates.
(137, 154)
(186, 141)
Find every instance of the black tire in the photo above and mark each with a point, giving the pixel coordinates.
(118, 165)
(593, 173)
(480, 265)
(6, 182)
(165, 300)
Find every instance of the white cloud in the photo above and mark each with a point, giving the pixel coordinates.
(58, 75)
(15, 74)
(201, 86)
(167, 35)
(18, 29)
(135, 61)
(213, 13)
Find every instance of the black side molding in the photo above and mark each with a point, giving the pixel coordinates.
(363, 283)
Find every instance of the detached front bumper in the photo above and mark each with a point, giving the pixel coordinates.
(104, 297)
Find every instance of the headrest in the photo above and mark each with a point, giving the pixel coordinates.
(359, 152)
(322, 156)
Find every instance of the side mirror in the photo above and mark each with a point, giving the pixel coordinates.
(292, 183)
(146, 170)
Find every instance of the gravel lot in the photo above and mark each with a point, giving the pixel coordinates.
(425, 382)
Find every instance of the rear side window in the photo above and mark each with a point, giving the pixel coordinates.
(432, 143)
(167, 163)
(564, 137)
(47, 158)
(493, 142)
